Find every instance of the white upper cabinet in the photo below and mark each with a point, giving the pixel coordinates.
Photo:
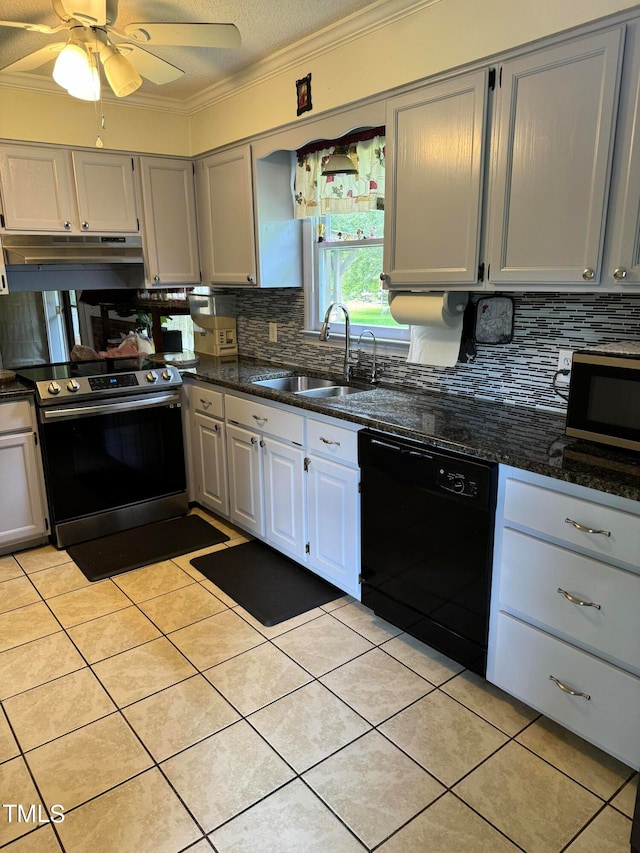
(225, 218)
(53, 190)
(621, 269)
(105, 191)
(169, 230)
(36, 189)
(435, 140)
(552, 144)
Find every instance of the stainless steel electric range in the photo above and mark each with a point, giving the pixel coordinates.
(111, 434)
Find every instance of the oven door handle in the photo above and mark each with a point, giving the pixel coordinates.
(68, 412)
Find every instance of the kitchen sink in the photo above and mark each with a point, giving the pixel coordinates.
(330, 391)
(295, 384)
(307, 386)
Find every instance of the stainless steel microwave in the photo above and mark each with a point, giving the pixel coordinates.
(604, 396)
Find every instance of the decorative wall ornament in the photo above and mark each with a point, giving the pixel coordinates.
(303, 94)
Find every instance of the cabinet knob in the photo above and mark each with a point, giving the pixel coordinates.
(254, 440)
(216, 427)
(156, 278)
(619, 273)
(67, 226)
(588, 274)
(85, 226)
(384, 276)
(262, 442)
(250, 279)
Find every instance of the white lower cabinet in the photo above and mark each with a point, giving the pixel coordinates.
(211, 458)
(334, 522)
(205, 432)
(246, 500)
(283, 467)
(287, 478)
(564, 628)
(22, 500)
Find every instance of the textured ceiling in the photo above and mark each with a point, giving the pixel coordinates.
(266, 26)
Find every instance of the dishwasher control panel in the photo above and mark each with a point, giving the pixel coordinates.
(457, 481)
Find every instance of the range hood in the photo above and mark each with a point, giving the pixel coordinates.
(53, 250)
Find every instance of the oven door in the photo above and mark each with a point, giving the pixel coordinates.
(104, 462)
(604, 400)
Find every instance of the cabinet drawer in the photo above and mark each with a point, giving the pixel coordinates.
(525, 658)
(551, 513)
(334, 442)
(533, 571)
(266, 419)
(207, 402)
(15, 416)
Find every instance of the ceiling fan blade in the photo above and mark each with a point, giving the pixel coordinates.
(91, 13)
(36, 59)
(34, 28)
(151, 67)
(190, 35)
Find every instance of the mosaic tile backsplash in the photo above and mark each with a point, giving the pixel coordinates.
(520, 372)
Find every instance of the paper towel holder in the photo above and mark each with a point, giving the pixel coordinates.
(453, 301)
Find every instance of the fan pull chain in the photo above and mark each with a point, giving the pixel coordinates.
(100, 123)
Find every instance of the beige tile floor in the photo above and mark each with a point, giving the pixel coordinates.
(162, 717)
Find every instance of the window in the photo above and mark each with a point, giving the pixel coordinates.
(346, 210)
(347, 265)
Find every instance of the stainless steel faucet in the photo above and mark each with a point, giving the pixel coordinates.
(324, 336)
(375, 370)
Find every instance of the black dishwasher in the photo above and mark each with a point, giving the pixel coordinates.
(427, 519)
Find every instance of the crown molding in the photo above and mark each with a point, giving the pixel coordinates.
(342, 32)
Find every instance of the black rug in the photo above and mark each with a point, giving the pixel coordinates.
(151, 543)
(270, 586)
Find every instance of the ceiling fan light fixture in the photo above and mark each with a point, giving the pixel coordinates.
(339, 163)
(120, 73)
(71, 65)
(87, 86)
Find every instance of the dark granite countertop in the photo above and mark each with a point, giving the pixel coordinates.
(524, 438)
(14, 389)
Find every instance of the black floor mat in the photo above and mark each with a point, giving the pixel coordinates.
(270, 586)
(151, 543)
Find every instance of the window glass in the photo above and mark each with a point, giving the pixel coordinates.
(348, 255)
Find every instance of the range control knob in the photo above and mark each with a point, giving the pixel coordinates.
(73, 385)
(53, 388)
(166, 374)
(151, 376)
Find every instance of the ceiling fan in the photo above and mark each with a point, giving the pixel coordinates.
(92, 33)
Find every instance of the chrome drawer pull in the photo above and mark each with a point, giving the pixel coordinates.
(328, 441)
(586, 529)
(260, 420)
(574, 600)
(568, 690)
(205, 403)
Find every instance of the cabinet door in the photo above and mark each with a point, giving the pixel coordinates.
(225, 202)
(284, 491)
(334, 523)
(36, 189)
(22, 505)
(553, 140)
(435, 140)
(622, 244)
(105, 191)
(169, 221)
(246, 505)
(209, 463)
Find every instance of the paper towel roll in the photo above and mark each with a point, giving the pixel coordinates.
(436, 325)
